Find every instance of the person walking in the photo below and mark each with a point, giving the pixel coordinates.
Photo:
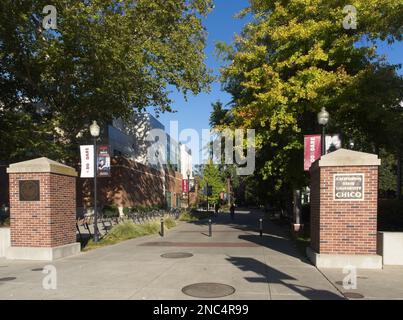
(232, 211)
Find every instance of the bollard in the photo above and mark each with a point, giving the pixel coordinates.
(209, 228)
(261, 227)
(162, 227)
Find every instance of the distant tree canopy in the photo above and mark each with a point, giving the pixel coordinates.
(212, 177)
(294, 58)
(106, 58)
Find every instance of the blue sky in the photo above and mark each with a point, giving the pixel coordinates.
(221, 25)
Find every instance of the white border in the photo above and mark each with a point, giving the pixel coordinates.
(348, 174)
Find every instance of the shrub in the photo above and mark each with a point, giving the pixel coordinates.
(390, 215)
(169, 223)
(110, 211)
(187, 216)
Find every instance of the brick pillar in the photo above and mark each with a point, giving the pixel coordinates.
(42, 210)
(344, 200)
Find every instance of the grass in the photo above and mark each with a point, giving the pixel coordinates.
(129, 230)
(195, 216)
(188, 216)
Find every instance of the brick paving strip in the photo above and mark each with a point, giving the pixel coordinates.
(200, 244)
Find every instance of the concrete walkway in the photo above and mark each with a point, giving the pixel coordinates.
(258, 268)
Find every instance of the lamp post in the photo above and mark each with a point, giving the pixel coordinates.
(188, 174)
(323, 119)
(351, 144)
(94, 130)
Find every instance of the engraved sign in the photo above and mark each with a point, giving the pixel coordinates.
(29, 190)
(348, 186)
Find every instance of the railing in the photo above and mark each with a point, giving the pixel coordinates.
(85, 224)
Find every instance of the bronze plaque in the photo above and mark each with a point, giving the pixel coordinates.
(29, 190)
(348, 187)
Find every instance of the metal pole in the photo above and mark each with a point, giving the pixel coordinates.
(323, 141)
(95, 192)
(162, 227)
(209, 228)
(188, 191)
(261, 227)
(207, 196)
(229, 191)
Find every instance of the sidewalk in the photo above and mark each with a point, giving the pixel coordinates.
(258, 268)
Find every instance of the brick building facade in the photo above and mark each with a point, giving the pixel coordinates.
(131, 184)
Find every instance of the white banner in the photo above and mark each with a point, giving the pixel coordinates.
(87, 161)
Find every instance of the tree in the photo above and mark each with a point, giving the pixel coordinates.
(294, 58)
(105, 59)
(211, 176)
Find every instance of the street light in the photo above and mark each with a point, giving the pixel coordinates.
(351, 144)
(323, 119)
(94, 130)
(188, 174)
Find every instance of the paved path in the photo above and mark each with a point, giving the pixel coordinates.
(258, 268)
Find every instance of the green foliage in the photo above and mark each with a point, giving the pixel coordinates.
(105, 59)
(213, 178)
(390, 215)
(194, 216)
(110, 211)
(129, 230)
(187, 216)
(169, 223)
(294, 58)
(387, 173)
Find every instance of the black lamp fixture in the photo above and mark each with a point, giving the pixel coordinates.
(323, 119)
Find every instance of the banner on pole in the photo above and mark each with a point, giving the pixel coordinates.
(87, 161)
(185, 186)
(312, 150)
(312, 147)
(103, 161)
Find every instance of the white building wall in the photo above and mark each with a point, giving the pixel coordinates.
(186, 161)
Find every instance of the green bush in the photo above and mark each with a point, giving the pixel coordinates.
(390, 215)
(5, 222)
(110, 211)
(187, 216)
(126, 211)
(170, 223)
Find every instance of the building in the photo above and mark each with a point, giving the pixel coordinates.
(129, 139)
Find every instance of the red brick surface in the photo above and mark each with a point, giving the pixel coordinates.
(343, 227)
(131, 184)
(49, 222)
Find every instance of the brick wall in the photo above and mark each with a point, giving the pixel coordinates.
(131, 184)
(343, 227)
(49, 222)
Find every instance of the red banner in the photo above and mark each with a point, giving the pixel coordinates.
(312, 150)
(185, 185)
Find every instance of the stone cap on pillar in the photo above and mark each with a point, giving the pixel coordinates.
(41, 165)
(345, 157)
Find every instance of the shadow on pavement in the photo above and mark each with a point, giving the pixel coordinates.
(268, 274)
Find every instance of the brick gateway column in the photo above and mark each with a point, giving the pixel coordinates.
(344, 201)
(42, 210)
